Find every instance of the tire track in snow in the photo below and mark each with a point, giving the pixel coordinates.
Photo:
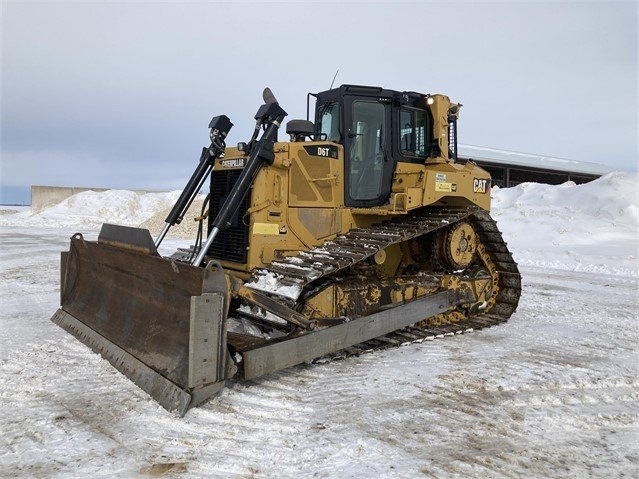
(552, 393)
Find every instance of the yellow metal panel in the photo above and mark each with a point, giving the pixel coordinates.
(315, 181)
(414, 198)
(319, 222)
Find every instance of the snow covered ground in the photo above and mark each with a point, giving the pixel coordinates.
(552, 393)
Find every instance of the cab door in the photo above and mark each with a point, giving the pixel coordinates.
(368, 160)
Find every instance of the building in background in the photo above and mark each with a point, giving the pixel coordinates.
(509, 168)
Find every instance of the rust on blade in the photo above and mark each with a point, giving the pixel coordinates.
(167, 394)
(139, 302)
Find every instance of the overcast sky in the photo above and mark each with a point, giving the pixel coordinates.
(119, 95)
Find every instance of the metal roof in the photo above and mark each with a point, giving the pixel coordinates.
(505, 157)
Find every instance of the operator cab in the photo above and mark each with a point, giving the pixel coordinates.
(377, 128)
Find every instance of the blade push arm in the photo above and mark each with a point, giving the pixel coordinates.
(269, 116)
(220, 126)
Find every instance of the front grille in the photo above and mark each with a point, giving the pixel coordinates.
(231, 244)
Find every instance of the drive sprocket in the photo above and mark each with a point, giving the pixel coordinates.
(454, 247)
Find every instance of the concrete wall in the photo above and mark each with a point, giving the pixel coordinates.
(43, 197)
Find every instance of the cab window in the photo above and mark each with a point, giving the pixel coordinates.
(412, 132)
(329, 122)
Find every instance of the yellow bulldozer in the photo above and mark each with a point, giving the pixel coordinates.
(363, 231)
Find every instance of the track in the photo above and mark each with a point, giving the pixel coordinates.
(300, 273)
(295, 274)
(417, 334)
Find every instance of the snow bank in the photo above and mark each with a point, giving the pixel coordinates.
(187, 229)
(612, 197)
(589, 227)
(90, 209)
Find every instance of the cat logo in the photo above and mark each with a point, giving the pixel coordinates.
(480, 185)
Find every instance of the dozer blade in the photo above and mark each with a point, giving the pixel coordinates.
(160, 323)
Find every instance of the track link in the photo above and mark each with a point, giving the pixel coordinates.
(301, 272)
(417, 334)
(508, 277)
(296, 273)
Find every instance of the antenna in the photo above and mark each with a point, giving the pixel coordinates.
(334, 79)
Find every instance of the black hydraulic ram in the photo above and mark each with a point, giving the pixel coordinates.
(269, 116)
(220, 126)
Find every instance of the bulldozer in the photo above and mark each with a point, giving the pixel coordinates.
(364, 230)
